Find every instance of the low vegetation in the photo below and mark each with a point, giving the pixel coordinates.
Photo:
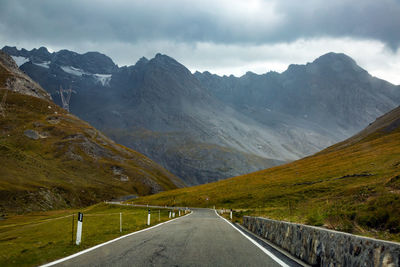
(37, 238)
(50, 159)
(353, 186)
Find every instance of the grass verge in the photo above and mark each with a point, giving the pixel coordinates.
(38, 238)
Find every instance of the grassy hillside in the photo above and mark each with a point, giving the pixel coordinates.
(65, 162)
(353, 186)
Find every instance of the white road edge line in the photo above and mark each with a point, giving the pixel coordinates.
(272, 256)
(108, 242)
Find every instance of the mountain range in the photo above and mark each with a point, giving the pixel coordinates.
(203, 127)
(50, 159)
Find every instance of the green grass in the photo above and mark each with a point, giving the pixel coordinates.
(37, 238)
(352, 187)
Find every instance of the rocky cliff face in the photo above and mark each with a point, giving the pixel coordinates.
(203, 127)
(12, 78)
(332, 92)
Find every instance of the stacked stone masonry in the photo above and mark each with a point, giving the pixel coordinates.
(322, 247)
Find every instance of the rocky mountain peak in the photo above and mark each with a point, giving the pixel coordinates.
(337, 62)
(11, 50)
(142, 60)
(250, 74)
(166, 66)
(206, 74)
(163, 58)
(7, 61)
(12, 78)
(95, 58)
(91, 62)
(332, 56)
(41, 51)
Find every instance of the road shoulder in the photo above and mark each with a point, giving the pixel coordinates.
(277, 254)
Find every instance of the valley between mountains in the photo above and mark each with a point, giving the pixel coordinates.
(200, 133)
(179, 129)
(202, 127)
(352, 186)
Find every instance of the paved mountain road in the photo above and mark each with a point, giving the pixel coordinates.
(198, 239)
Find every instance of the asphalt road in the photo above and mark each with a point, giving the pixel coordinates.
(198, 239)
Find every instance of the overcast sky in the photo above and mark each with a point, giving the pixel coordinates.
(224, 37)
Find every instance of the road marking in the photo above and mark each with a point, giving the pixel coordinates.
(108, 242)
(269, 253)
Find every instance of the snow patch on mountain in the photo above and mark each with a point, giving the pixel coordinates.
(20, 60)
(73, 70)
(104, 79)
(45, 64)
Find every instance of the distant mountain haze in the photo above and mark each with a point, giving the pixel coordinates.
(333, 91)
(352, 186)
(203, 127)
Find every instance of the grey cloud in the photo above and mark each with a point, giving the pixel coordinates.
(68, 22)
(369, 19)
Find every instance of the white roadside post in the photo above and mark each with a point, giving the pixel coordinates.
(231, 215)
(179, 212)
(79, 229)
(148, 218)
(120, 222)
(173, 214)
(169, 214)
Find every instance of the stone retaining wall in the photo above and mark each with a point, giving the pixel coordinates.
(323, 247)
